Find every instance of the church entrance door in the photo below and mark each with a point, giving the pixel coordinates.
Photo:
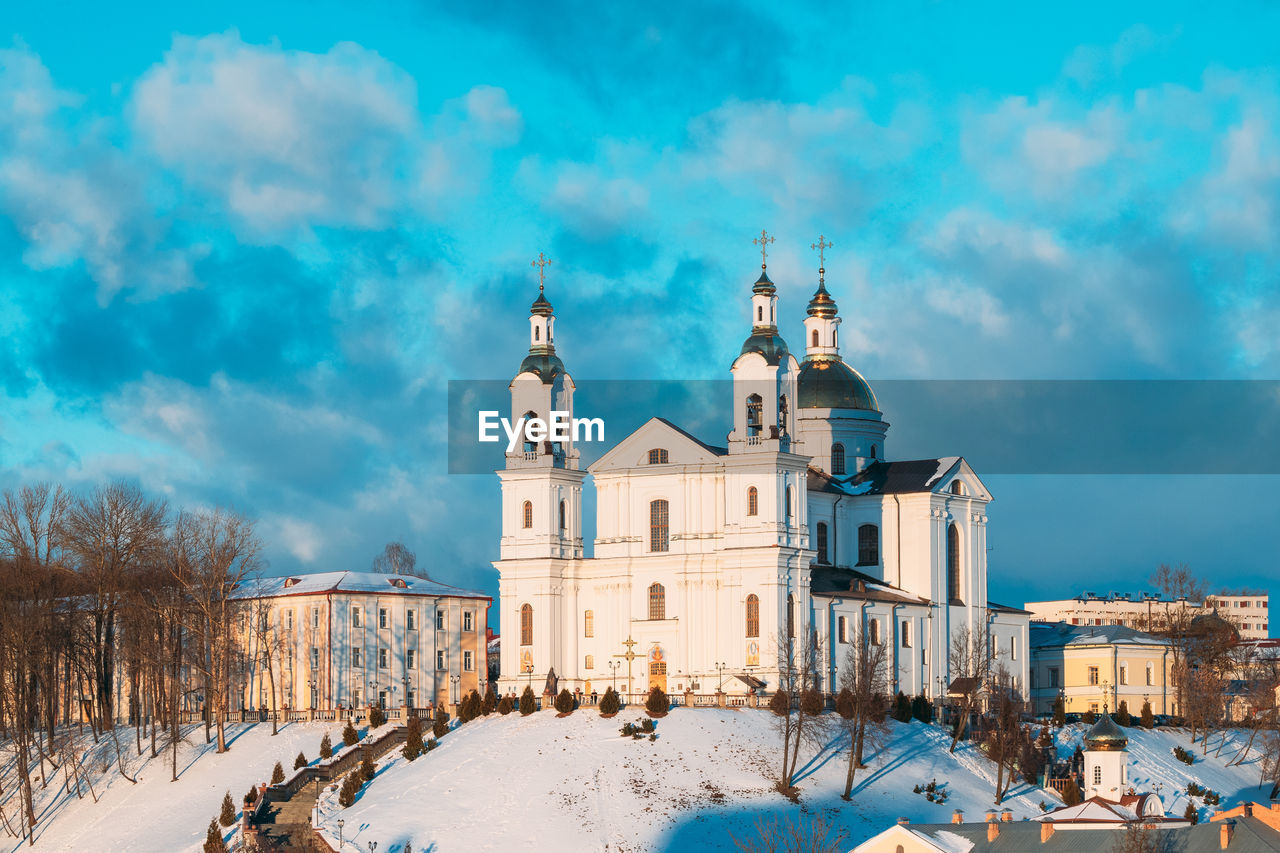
(657, 669)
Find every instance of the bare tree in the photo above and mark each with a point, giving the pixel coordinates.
(1003, 740)
(1138, 837)
(797, 700)
(860, 705)
(395, 559)
(793, 835)
(971, 662)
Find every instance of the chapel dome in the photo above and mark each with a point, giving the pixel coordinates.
(826, 382)
(1105, 736)
(545, 365)
(541, 306)
(766, 341)
(822, 305)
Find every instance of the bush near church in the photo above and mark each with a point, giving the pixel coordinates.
(213, 839)
(377, 717)
(251, 797)
(350, 787)
(1122, 714)
(505, 706)
(228, 815)
(609, 703)
(349, 735)
(299, 762)
(277, 774)
(527, 703)
(780, 704)
(1148, 719)
(564, 703)
(490, 700)
(326, 746)
(413, 738)
(657, 705)
(440, 726)
(367, 768)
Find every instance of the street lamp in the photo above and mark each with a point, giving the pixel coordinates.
(613, 669)
(341, 822)
(311, 686)
(720, 668)
(373, 845)
(455, 680)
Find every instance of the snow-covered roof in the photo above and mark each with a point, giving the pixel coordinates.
(888, 478)
(1046, 634)
(352, 582)
(1092, 810)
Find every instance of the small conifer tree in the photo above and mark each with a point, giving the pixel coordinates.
(490, 700)
(475, 705)
(505, 706)
(326, 746)
(922, 708)
(299, 762)
(1059, 712)
(349, 735)
(1122, 714)
(1192, 813)
(609, 703)
(377, 717)
(1148, 719)
(657, 704)
(347, 793)
(213, 839)
(846, 707)
(367, 768)
(1089, 717)
(902, 708)
(440, 726)
(228, 815)
(413, 738)
(564, 702)
(813, 703)
(780, 704)
(527, 703)
(252, 796)
(277, 774)
(1071, 794)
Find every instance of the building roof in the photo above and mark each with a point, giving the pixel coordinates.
(319, 583)
(840, 582)
(718, 451)
(1250, 836)
(886, 478)
(1054, 634)
(1105, 736)
(826, 382)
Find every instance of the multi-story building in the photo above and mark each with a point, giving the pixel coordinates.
(355, 639)
(1248, 613)
(1097, 667)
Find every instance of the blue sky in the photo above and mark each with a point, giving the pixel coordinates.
(242, 250)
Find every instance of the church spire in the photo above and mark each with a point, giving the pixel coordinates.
(821, 326)
(764, 296)
(542, 316)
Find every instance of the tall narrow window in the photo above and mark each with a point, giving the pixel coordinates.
(659, 526)
(791, 615)
(1150, 675)
(782, 414)
(562, 525)
(759, 313)
(526, 625)
(753, 501)
(873, 629)
(868, 545)
(528, 514)
(906, 634)
(755, 414)
(657, 601)
(788, 505)
(658, 456)
(953, 563)
(588, 624)
(842, 629)
(815, 338)
(837, 458)
(822, 542)
(873, 451)
(753, 615)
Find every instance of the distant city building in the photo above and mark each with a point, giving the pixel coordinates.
(1248, 613)
(355, 639)
(1096, 668)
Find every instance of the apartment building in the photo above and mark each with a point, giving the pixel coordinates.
(354, 639)
(1153, 613)
(1097, 667)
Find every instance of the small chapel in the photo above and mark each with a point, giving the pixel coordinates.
(711, 555)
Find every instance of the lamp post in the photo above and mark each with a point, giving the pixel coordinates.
(720, 668)
(455, 681)
(311, 687)
(341, 822)
(613, 673)
(405, 680)
(941, 682)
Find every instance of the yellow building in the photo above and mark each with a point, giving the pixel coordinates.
(1093, 667)
(356, 639)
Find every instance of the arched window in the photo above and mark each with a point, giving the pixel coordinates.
(753, 615)
(837, 458)
(759, 314)
(782, 413)
(953, 563)
(528, 514)
(755, 414)
(791, 615)
(536, 333)
(835, 337)
(588, 624)
(753, 501)
(562, 519)
(822, 542)
(873, 451)
(659, 526)
(658, 456)
(815, 338)
(526, 625)
(957, 487)
(529, 446)
(868, 545)
(657, 601)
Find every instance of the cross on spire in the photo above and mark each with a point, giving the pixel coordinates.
(541, 263)
(763, 242)
(821, 246)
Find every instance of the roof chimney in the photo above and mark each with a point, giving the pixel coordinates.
(1224, 834)
(903, 821)
(1046, 831)
(1006, 815)
(990, 816)
(957, 816)
(993, 831)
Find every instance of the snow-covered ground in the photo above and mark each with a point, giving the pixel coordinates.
(157, 814)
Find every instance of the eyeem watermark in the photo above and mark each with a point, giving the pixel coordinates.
(561, 427)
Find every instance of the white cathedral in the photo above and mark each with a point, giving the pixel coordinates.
(706, 557)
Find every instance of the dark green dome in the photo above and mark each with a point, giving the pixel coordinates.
(822, 305)
(541, 306)
(826, 382)
(764, 285)
(766, 341)
(1105, 736)
(547, 365)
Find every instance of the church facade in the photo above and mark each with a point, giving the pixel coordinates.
(707, 559)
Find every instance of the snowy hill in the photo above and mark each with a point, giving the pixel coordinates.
(157, 814)
(506, 783)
